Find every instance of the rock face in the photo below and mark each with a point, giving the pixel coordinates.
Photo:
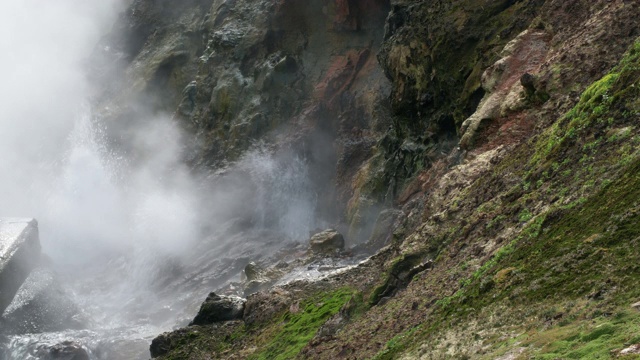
(300, 74)
(217, 308)
(41, 305)
(19, 254)
(327, 242)
(504, 83)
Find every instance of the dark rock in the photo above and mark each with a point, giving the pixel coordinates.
(163, 343)
(19, 254)
(41, 305)
(67, 350)
(218, 308)
(528, 81)
(327, 242)
(286, 65)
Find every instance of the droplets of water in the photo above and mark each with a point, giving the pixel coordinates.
(285, 198)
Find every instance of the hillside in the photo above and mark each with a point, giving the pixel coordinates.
(485, 153)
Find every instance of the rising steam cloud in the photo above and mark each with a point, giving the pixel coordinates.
(90, 203)
(55, 166)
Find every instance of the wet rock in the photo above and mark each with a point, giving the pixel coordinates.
(254, 286)
(19, 254)
(67, 350)
(257, 279)
(218, 308)
(42, 305)
(253, 272)
(327, 242)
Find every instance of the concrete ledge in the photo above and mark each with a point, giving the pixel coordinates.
(19, 254)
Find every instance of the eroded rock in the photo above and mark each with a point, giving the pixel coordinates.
(19, 254)
(217, 308)
(508, 82)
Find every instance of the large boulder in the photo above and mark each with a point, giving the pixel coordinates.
(67, 350)
(327, 242)
(19, 254)
(217, 308)
(42, 305)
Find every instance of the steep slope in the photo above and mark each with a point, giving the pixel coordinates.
(505, 139)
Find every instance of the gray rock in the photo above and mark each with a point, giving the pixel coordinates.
(217, 308)
(41, 305)
(67, 350)
(19, 254)
(327, 242)
(636, 306)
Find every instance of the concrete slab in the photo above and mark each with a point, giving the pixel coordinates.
(19, 254)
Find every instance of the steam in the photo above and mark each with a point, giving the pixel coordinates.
(123, 217)
(43, 44)
(93, 203)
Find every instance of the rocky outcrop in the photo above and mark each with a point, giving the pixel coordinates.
(218, 308)
(19, 254)
(297, 75)
(509, 82)
(327, 242)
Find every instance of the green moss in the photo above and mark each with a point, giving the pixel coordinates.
(599, 106)
(584, 339)
(395, 344)
(297, 329)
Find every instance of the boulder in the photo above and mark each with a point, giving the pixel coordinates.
(327, 242)
(41, 305)
(217, 308)
(67, 350)
(253, 272)
(257, 279)
(19, 254)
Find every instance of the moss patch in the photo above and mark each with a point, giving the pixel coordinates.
(295, 330)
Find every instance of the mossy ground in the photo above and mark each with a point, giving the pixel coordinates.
(564, 285)
(281, 338)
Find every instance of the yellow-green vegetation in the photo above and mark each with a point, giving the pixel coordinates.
(294, 330)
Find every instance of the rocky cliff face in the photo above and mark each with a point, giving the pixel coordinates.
(490, 146)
